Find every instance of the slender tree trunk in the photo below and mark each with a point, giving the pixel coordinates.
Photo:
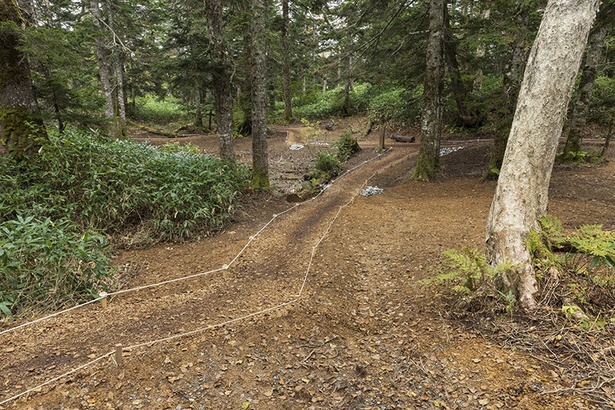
(102, 56)
(431, 118)
(465, 118)
(522, 192)
(286, 78)
(586, 88)
(20, 131)
(260, 162)
(120, 116)
(222, 78)
(609, 135)
(198, 114)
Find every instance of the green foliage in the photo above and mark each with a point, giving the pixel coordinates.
(82, 182)
(470, 275)
(331, 103)
(577, 270)
(328, 163)
(175, 147)
(596, 243)
(397, 106)
(345, 146)
(158, 111)
(115, 185)
(46, 263)
(591, 241)
(467, 267)
(67, 89)
(602, 104)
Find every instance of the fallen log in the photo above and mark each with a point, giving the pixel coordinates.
(402, 138)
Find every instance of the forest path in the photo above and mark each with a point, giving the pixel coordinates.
(365, 333)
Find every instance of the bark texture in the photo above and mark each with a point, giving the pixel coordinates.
(522, 192)
(260, 161)
(431, 118)
(20, 131)
(222, 78)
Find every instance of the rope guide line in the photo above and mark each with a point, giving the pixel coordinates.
(216, 325)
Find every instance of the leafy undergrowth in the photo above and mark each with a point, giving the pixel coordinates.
(329, 164)
(57, 211)
(573, 329)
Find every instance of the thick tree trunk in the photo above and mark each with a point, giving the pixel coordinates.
(586, 88)
(20, 131)
(222, 78)
(260, 162)
(286, 78)
(522, 192)
(431, 118)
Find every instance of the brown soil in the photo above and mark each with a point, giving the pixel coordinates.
(364, 332)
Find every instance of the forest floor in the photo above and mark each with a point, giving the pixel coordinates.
(324, 309)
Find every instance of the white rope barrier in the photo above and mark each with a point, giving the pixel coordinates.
(55, 379)
(61, 312)
(166, 282)
(216, 325)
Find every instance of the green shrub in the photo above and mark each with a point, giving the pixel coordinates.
(47, 264)
(332, 102)
(117, 185)
(328, 163)
(83, 182)
(345, 146)
(158, 111)
(602, 105)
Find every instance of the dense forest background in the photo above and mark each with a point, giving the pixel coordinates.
(103, 64)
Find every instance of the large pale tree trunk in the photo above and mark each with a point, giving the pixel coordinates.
(586, 88)
(20, 131)
(431, 118)
(522, 192)
(222, 78)
(260, 161)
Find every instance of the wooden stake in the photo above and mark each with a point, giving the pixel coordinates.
(103, 301)
(119, 358)
(382, 135)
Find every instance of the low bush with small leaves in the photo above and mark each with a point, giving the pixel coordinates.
(84, 182)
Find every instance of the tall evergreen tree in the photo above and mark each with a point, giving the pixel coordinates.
(222, 77)
(431, 118)
(260, 161)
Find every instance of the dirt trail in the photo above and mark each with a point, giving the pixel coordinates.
(365, 333)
